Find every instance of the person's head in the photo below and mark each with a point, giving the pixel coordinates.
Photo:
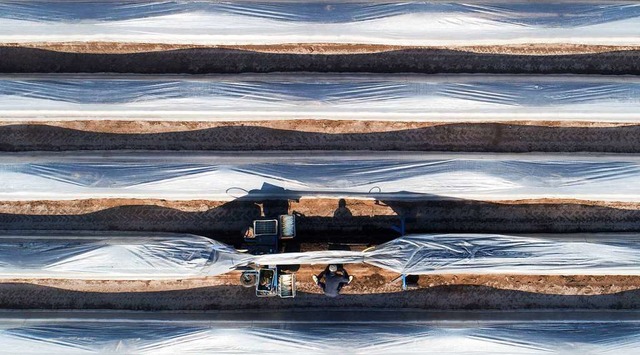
(333, 268)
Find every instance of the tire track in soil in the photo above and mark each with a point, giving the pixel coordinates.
(221, 60)
(467, 297)
(493, 137)
(315, 224)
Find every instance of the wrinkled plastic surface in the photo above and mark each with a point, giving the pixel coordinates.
(495, 254)
(386, 176)
(255, 97)
(114, 255)
(122, 336)
(118, 255)
(310, 258)
(571, 254)
(373, 22)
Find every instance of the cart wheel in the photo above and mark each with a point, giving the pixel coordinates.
(248, 279)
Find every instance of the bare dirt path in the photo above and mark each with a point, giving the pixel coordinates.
(319, 48)
(122, 58)
(372, 288)
(322, 135)
(367, 220)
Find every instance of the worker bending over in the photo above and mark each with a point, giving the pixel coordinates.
(334, 279)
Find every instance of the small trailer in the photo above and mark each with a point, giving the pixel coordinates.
(274, 282)
(265, 236)
(270, 281)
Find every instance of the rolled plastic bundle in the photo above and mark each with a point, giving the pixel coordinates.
(311, 258)
(240, 22)
(386, 176)
(141, 336)
(114, 255)
(312, 96)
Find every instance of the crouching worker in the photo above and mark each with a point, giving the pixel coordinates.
(334, 279)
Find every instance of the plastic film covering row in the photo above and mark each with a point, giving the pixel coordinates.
(141, 336)
(125, 256)
(274, 97)
(418, 23)
(388, 176)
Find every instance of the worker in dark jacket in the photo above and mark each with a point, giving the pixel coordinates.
(334, 279)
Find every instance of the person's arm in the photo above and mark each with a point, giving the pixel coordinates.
(345, 276)
(321, 275)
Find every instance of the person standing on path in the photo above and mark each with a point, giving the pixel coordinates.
(334, 279)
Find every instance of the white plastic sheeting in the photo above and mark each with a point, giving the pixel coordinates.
(365, 22)
(502, 254)
(115, 255)
(144, 336)
(311, 258)
(579, 254)
(390, 176)
(129, 256)
(254, 97)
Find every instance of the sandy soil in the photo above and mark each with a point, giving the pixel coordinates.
(94, 205)
(371, 288)
(301, 125)
(365, 221)
(368, 279)
(309, 58)
(322, 135)
(320, 48)
(323, 207)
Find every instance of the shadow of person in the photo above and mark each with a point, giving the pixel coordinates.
(342, 211)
